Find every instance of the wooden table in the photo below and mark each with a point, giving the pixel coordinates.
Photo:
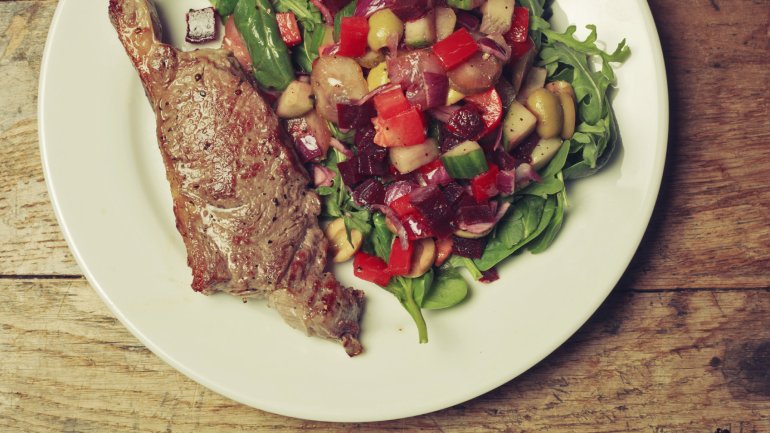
(681, 345)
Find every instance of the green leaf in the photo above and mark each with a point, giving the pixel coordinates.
(347, 11)
(381, 238)
(421, 286)
(449, 289)
(402, 289)
(306, 13)
(456, 261)
(305, 54)
(530, 217)
(224, 7)
(542, 242)
(345, 137)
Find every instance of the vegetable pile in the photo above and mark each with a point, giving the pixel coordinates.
(439, 136)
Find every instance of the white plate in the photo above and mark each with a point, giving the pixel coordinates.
(107, 184)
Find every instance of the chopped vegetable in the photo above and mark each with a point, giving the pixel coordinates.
(391, 103)
(484, 186)
(405, 129)
(455, 48)
(465, 160)
(371, 268)
(287, 25)
(385, 30)
(201, 25)
(353, 36)
(400, 259)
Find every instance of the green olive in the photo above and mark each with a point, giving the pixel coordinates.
(547, 108)
(566, 95)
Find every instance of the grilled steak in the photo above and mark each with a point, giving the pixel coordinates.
(240, 195)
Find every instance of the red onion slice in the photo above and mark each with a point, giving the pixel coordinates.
(322, 176)
(443, 114)
(341, 147)
(396, 190)
(496, 46)
(328, 17)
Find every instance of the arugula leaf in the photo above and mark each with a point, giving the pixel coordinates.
(449, 289)
(403, 290)
(567, 58)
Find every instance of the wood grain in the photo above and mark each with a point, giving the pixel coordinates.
(30, 238)
(647, 362)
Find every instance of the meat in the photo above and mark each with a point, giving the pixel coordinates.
(240, 196)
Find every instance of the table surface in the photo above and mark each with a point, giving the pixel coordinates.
(681, 345)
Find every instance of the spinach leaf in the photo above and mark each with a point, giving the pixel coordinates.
(380, 239)
(542, 242)
(403, 290)
(528, 218)
(421, 286)
(456, 261)
(449, 289)
(224, 7)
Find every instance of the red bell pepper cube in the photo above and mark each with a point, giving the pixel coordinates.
(371, 268)
(403, 206)
(391, 103)
(287, 26)
(400, 260)
(519, 49)
(431, 167)
(491, 107)
(455, 48)
(519, 31)
(353, 34)
(484, 186)
(405, 129)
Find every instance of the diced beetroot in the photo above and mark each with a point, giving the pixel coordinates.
(355, 116)
(523, 152)
(448, 140)
(466, 123)
(372, 161)
(489, 275)
(504, 160)
(471, 248)
(453, 192)
(369, 192)
(201, 26)
(432, 203)
(365, 136)
(416, 227)
(483, 213)
(349, 172)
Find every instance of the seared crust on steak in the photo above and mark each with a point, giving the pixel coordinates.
(241, 200)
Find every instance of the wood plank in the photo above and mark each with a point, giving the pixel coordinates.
(30, 239)
(647, 362)
(710, 224)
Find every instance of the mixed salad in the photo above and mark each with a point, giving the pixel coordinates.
(439, 134)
